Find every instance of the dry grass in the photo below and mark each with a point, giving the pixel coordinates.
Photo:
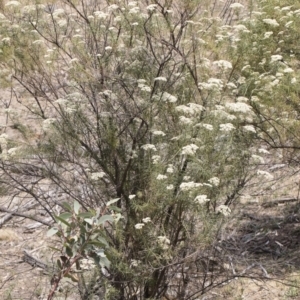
(7, 234)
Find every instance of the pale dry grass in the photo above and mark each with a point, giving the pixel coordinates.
(7, 234)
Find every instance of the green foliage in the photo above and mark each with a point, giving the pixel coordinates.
(158, 106)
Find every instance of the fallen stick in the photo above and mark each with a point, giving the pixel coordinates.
(7, 217)
(20, 214)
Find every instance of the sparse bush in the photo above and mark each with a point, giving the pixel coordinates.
(141, 102)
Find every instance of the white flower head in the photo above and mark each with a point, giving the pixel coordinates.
(155, 159)
(161, 177)
(131, 197)
(224, 209)
(188, 186)
(249, 128)
(161, 78)
(268, 34)
(134, 263)
(97, 175)
(271, 22)
(264, 151)
(239, 107)
(223, 64)
(170, 169)
(164, 242)
(189, 150)
(147, 147)
(139, 225)
(236, 6)
(170, 187)
(12, 3)
(227, 127)
(214, 181)
(276, 57)
(151, 7)
(158, 133)
(146, 220)
(201, 199)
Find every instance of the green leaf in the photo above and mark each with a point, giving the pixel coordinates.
(89, 221)
(52, 231)
(112, 201)
(98, 244)
(115, 208)
(76, 207)
(103, 241)
(104, 262)
(65, 215)
(67, 206)
(85, 215)
(105, 218)
(59, 219)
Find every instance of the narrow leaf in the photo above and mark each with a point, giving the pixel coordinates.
(112, 201)
(52, 231)
(105, 218)
(76, 207)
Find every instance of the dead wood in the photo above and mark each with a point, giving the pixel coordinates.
(35, 262)
(24, 215)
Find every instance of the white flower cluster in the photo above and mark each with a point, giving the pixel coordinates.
(224, 210)
(276, 57)
(158, 133)
(161, 78)
(163, 242)
(147, 147)
(166, 97)
(249, 128)
(151, 7)
(190, 108)
(214, 181)
(271, 22)
(227, 127)
(211, 84)
(142, 86)
(189, 150)
(161, 177)
(201, 199)
(236, 6)
(223, 64)
(139, 225)
(97, 175)
(238, 107)
(187, 186)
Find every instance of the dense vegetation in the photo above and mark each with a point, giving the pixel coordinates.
(150, 118)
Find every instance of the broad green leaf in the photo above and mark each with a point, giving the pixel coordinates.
(112, 201)
(89, 221)
(65, 215)
(103, 241)
(85, 215)
(52, 231)
(105, 218)
(76, 207)
(104, 262)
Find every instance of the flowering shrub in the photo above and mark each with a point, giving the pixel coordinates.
(141, 102)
